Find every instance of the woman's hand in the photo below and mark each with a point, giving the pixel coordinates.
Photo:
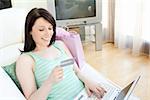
(94, 88)
(56, 75)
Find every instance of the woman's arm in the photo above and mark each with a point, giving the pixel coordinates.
(90, 85)
(25, 75)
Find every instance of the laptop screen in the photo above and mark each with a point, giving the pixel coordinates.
(124, 92)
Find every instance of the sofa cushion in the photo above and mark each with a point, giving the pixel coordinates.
(10, 53)
(8, 90)
(61, 33)
(73, 42)
(11, 71)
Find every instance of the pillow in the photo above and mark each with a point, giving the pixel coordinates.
(73, 42)
(8, 89)
(60, 33)
(11, 71)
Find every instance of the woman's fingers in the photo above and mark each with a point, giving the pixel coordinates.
(60, 73)
(97, 93)
(101, 91)
(57, 74)
(88, 91)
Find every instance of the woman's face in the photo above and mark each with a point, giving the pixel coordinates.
(42, 32)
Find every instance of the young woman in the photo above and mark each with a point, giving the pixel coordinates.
(38, 69)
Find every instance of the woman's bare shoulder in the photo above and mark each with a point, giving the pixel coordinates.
(24, 60)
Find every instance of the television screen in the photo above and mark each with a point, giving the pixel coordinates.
(5, 4)
(73, 9)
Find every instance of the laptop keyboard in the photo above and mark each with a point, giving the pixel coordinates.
(111, 91)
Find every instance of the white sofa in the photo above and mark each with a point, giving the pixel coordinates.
(11, 40)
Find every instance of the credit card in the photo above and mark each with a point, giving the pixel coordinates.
(67, 62)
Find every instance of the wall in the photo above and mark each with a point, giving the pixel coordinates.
(29, 4)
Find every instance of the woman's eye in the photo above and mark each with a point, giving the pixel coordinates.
(41, 29)
(50, 28)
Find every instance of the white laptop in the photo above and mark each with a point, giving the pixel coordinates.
(113, 93)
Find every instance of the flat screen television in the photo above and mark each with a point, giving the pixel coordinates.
(75, 12)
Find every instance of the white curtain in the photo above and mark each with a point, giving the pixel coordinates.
(130, 20)
(108, 13)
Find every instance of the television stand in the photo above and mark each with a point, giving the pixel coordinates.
(80, 28)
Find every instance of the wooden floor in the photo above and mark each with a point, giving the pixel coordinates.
(120, 66)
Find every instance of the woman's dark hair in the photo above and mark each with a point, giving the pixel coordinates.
(32, 16)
